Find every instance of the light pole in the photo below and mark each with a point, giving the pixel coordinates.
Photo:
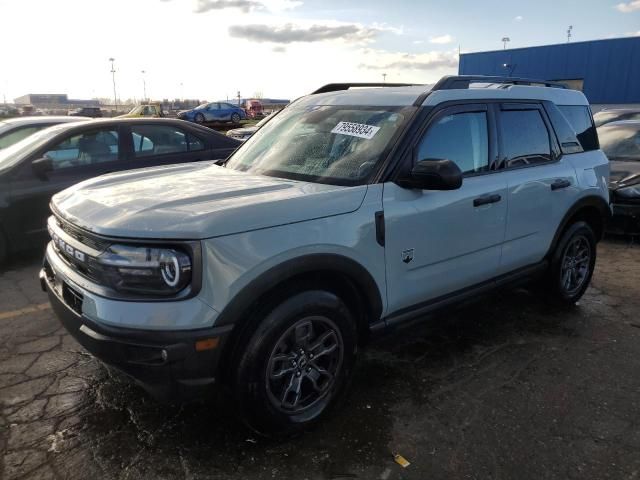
(144, 86)
(504, 42)
(113, 77)
(384, 78)
(569, 33)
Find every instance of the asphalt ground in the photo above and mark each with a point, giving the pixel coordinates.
(509, 387)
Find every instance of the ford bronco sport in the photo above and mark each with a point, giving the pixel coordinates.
(352, 211)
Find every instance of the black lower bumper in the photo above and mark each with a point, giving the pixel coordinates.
(165, 363)
(625, 219)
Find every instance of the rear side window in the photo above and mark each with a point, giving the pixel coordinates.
(162, 139)
(525, 138)
(579, 117)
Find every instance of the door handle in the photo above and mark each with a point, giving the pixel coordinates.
(560, 183)
(486, 199)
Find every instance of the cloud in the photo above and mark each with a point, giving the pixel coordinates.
(442, 39)
(519, 18)
(628, 6)
(279, 49)
(418, 42)
(632, 34)
(290, 33)
(246, 6)
(382, 60)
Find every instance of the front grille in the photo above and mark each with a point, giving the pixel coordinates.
(82, 236)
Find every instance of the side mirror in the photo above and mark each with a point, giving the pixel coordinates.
(41, 167)
(434, 174)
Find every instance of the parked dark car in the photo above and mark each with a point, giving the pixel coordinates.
(615, 115)
(93, 112)
(621, 143)
(50, 160)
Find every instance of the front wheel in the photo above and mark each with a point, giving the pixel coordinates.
(296, 364)
(572, 263)
(199, 118)
(235, 118)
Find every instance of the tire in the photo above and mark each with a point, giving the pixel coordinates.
(4, 248)
(199, 118)
(279, 384)
(572, 264)
(235, 118)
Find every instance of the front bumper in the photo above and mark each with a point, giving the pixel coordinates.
(172, 365)
(625, 219)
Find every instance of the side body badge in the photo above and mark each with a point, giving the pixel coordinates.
(407, 255)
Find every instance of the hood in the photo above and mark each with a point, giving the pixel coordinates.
(243, 131)
(195, 201)
(624, 174)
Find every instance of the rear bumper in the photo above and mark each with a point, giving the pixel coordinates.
(166, 363)
(625, 219)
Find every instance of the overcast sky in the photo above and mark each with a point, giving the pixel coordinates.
(210, 49)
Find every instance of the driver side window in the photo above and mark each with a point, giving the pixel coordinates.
(461, 138)
(87, 148)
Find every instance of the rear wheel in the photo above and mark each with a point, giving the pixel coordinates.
(296, 364)
(235, 118)
(572, 263)
(199, 118)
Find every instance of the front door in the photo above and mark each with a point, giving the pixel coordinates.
(439, 242)
(74, 158)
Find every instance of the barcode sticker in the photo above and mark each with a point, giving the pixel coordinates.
(359, 130)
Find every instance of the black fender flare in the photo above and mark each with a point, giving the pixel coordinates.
(306, 264)
(590, 201)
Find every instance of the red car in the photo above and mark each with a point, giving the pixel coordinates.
(253, 109)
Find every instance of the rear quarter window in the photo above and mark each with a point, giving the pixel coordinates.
(579, 117)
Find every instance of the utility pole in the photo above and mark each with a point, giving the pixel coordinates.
(238, 97)
(384, 78)
(113, 77)
(504, 42)
(569, 33)
(144, 86)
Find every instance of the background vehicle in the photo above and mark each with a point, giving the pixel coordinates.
(15, 129)
(50, 160)
(348, 213)
(606, 116)
(214, 112)
(93, 112)
(244, 133)
(620, 141)
(151, 110)
(253, 108)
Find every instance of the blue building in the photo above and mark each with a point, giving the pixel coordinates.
(607, 71)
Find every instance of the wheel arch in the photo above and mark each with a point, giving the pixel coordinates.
(336, 273)
(592, 209)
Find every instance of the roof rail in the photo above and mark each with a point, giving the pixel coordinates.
(452, 82)
(334, 87)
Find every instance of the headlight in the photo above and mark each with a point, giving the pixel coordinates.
(149, 270)
(629, 192)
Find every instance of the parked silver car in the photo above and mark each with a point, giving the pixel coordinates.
(351, 212)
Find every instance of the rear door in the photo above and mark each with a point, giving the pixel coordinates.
(439, 242)
(542, 184)
(154, 144)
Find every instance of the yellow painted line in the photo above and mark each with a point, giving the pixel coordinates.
(24, 311)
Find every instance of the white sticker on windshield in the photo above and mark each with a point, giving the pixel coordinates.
(359, 130)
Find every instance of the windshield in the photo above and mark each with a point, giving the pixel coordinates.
(620, 143)
(339, 145)
(200, 107)
(12, 155)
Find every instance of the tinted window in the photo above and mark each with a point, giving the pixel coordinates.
(85, 149)
(158, 140)
(525, 139)
(15, 135)
(620, 142)
(579, 117)
(461, 138)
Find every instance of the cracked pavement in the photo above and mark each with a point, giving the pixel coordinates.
(508, 387)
